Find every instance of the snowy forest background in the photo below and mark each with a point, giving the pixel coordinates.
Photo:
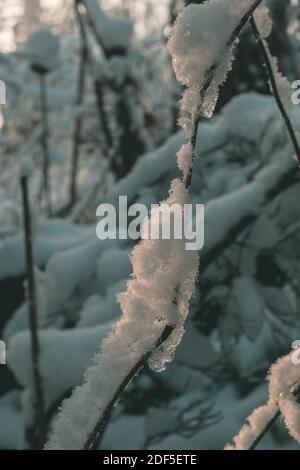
(95, 106)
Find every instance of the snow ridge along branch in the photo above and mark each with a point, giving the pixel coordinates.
(156, 303)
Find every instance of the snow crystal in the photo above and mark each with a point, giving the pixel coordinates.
(184, 158)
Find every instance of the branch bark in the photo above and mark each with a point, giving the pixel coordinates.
(84, 54)
(39, 431)
(44, 141)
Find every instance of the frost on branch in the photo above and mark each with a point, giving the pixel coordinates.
(184, 158)
(164, 275)
(284, 383)
(163, 281)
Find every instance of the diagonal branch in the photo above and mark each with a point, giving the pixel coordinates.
(274, 88)
(96, 435)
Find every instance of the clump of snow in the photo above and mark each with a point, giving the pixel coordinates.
(263, 21)
(184, 158)
(164, 275)
(283, 85)
(113, 266)
(19, 321)
(189, 102)
(27, 166)
(42, 49)
(50, 237)
(195, 50)
(284, 383)
(152, 167)
(98, 310)
(12, 431)
(113, 31)
(63, 358)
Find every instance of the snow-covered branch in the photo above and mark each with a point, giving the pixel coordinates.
(156, 303)
(284, 383)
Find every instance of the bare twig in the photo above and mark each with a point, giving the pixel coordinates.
(39, 421)
(84, 53)
(99, 84)
(274, 88)
(44, 141)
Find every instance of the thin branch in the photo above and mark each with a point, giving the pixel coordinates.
(44, 140)
(39, 421)
(99, 84)
(274, 88)
(84, 53)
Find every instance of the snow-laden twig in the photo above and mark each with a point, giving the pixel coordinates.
(94, 438)
(261, 32)
(154, 306)
(39, 429)
(156, 303)
(201, 63)
(284, 384)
